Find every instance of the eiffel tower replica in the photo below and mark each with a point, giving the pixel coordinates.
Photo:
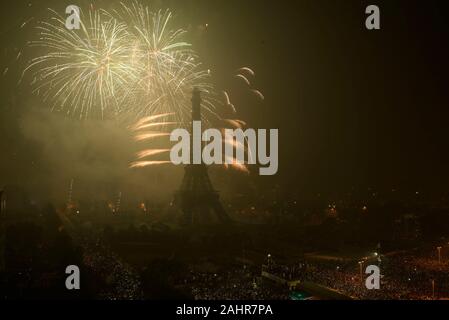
(196, 197)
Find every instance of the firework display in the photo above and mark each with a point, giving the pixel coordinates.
(127, 61)
(224, 158)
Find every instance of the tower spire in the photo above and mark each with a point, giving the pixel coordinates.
(196, 116)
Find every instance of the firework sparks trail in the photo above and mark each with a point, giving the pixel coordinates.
(243, 74)
(259, 94)
(155, 121)
(228, 102)
(245, 79)
(141, 164)
(231, 162)
(247, 70)
(238, 146)
(151, 152)
(157, 124)
(145, 120)
(151, 135)
(235, 123)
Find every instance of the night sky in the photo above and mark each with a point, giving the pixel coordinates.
(354, 108)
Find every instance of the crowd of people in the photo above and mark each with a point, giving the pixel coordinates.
(236, 284)
(413, 275)
(121, 281)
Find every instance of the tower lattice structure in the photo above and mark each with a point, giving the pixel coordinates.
(196, 196)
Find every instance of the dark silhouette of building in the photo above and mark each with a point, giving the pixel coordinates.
(196, 196)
